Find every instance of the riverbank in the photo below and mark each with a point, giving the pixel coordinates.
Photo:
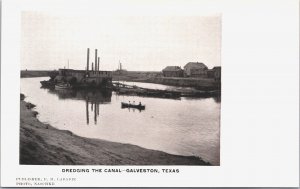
(42, 144)
(34, 73)
(205, 84)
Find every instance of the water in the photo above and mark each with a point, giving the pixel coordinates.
(184, 127)
(155, 86)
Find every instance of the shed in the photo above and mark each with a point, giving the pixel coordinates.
(172, 71)
(195, 69)
(217, 73)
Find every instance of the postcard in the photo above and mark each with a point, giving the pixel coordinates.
(145, 93)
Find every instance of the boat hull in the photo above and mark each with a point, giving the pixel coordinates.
(47, 84)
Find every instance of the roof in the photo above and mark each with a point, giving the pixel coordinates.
(217, 68)
(172, 68)
(196, 65)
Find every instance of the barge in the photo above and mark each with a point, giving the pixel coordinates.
(123, 89)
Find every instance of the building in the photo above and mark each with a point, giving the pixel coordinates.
(217, 73)
(214, 73)
(195, 69)
(78, 77)
(210, 73)
(172, 71)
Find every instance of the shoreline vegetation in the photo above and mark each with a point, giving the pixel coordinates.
(42, 144)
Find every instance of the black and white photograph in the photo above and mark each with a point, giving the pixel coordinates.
(120, 90)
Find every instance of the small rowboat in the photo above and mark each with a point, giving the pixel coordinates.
(137, 106)
(61, 86)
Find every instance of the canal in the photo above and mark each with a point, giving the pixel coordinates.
(185, 126)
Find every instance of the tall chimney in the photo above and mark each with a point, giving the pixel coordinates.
(88, 58)
(92, 66)
(98, 64)
(95, 59)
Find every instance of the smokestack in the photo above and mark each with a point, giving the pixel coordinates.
(92, 66)
(98, 64)
(88, 58)
(95, 66)
(95, 59)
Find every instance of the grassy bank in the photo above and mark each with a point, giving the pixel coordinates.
(39, 73)
(34, 73)
(205, 84)
(42, 144)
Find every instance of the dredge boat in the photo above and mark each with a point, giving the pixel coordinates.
(137, 106)
(85, 79)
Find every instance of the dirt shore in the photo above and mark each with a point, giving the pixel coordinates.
(42, 144)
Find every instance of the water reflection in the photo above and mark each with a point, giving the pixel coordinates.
(93, 99)
(94, 108)
(93, 95)
(130, 109)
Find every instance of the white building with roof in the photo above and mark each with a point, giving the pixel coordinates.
(195, 69)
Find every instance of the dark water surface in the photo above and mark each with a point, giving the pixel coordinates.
(185, 127)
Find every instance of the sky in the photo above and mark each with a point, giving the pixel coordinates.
(139, 42)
